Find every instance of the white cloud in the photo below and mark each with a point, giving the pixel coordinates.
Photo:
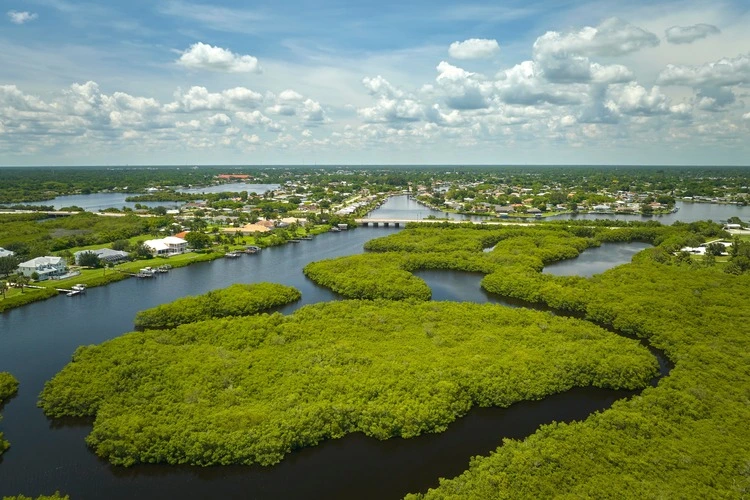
(714, 98)
(464, 90)
(564, 57)
(522, 85)
(474, 48)
(200, 99)
(219, 120)
(290, 95)
(313, 111)
(381, 87)
(613, 37)
(21, 17)
(746, 116)
(689, 34)
(724, 72)
(635, 100)
(208, 57)
(393, 111)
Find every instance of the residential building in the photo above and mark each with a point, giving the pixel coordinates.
(105, 255)
(45, 267)
(165, 247)
(6, 253)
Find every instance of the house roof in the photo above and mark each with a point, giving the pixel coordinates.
(47, 260)
(173, 240)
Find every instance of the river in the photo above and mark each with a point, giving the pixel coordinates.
(406, 208)
(37, 340)
(100, 201)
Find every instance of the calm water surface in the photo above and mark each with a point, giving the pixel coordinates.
(596, 260)
(37, 340)
(99, 201)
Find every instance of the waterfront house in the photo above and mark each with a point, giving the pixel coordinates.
(6, 253)
(105, 255)
(165, 247)
(246, 229)
(499, 209)
(45, 267)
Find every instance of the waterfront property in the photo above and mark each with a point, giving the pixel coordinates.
(105, 255)
(6, 253)
(165, 247)
(45, 267)
(247, 229)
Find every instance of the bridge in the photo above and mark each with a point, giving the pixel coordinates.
(376, 222)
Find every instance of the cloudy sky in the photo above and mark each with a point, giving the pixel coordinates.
(342, 82)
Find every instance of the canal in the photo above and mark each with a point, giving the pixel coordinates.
(37, 340)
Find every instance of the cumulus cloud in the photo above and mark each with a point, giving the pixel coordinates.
(290, 95)
(474, 48)
(312, 111)
(464, 90)
(392, 111)
(21, 17)
(689, 34)
(722, 73)
(565, 57)
(613, 37)
(207, 57)
(522, 84)
(379, 86)
(714, 98)
(200, 99)
(635, 100)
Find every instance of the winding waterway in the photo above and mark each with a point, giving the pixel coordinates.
(37, 340)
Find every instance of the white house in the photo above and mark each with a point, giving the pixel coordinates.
(6, 253)
(171, 245)
(46, 267)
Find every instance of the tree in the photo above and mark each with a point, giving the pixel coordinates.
(3, 287)
(35, 276)
(141, 251)
(8, 265)
(89, 259)
(122, 245)
(22, 280)
(715, 249)
(197, 239)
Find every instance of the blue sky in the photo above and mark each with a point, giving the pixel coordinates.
(184, 82)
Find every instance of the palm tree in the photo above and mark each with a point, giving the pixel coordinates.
(23, 281)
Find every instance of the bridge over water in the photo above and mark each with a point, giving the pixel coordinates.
(392, 222)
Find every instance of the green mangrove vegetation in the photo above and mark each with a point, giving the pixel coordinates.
(8, 387)
(252, 389)
(686, 438)
(235, 300)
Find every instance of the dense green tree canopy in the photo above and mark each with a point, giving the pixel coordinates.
(236, 300)
(8, 387)
(252, 389)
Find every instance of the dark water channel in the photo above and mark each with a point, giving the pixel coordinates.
(37, 340)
